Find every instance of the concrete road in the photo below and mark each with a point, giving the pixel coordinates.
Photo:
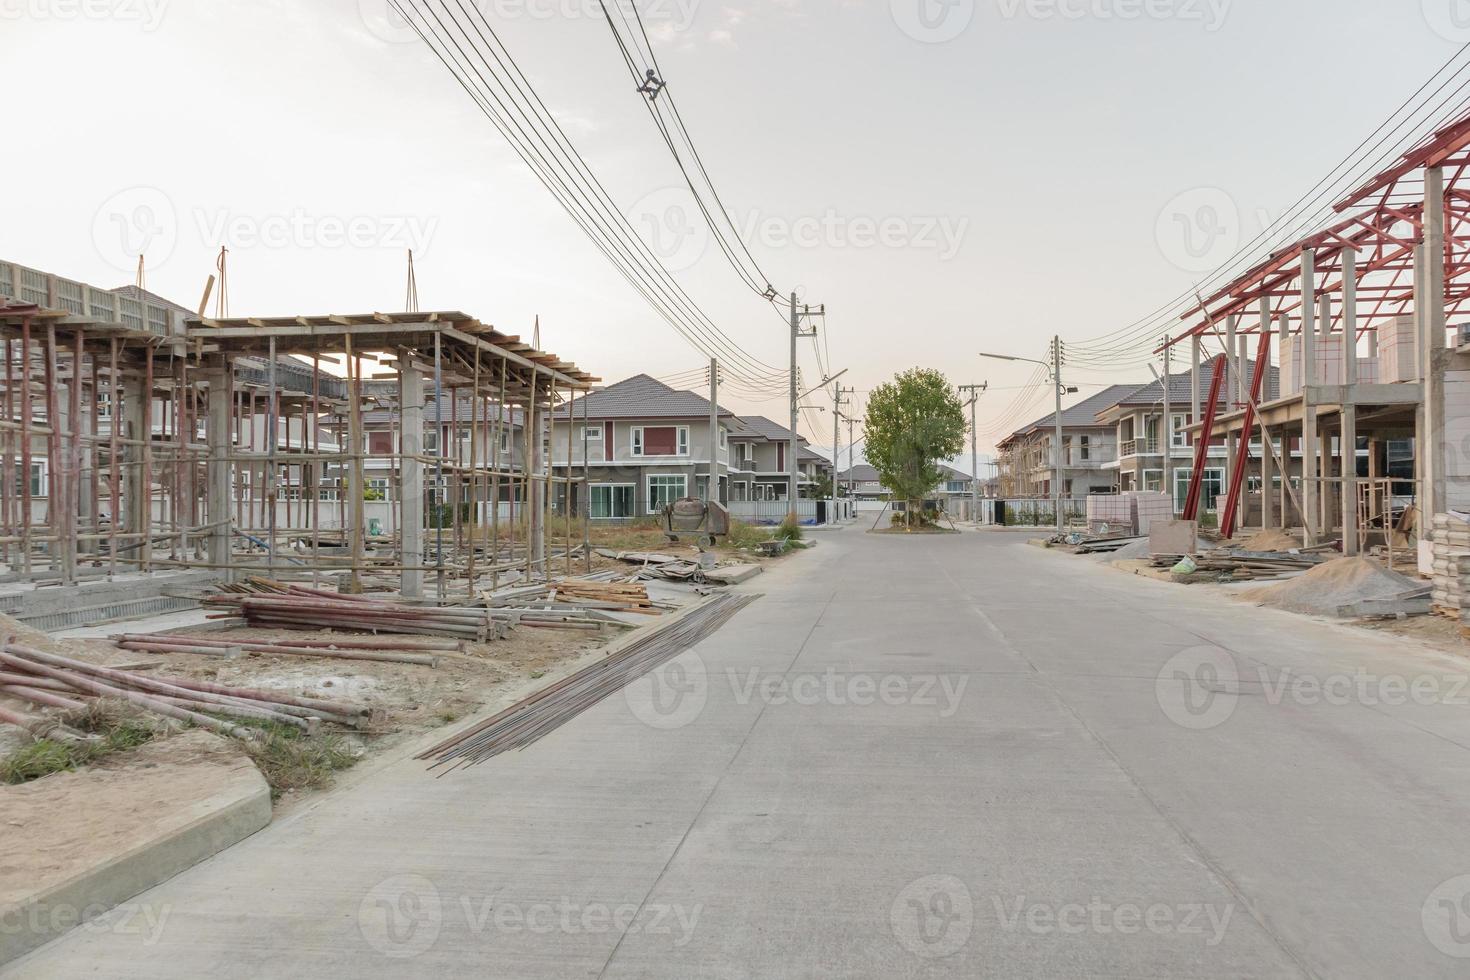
(914, 757)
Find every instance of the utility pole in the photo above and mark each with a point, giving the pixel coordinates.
(1056, 377)
(836, 437)
(974, 391)
(1168, 435)
(793, 450)
(712, 489)
(851, 450)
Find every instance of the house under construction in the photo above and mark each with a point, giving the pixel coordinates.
(1359, 318)
(141, 438)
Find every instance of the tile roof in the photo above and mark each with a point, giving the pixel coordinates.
(861, 473)
(768, 430)
(1179, 386)
(642, 397)
(1082, 414)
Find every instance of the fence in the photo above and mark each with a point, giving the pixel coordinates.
(775, 511)
(1033, 512)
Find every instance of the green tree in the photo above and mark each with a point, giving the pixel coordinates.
(912, 423)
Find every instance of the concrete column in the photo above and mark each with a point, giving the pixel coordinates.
(411, 482)
(1231, 389)
(1308, 339)
(217, 497)
(1430, 306)
(536, 488)
(1349, 440)
(1243, 362)
(137, 424)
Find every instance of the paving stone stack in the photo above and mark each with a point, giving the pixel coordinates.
(1450, 541)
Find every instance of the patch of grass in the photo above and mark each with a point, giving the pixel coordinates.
(788, 530)
(116, 731)
(743, 535)
(291, 759)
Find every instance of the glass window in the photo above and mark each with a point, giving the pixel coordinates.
(638, 440)
(38, 479)
(1178, 438)
(722, 437)
(611, 500)
(683, 440)
(664, 489)
(591, 433)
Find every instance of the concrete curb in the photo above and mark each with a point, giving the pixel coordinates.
(224, 818)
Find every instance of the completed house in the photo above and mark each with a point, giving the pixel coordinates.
(760, 461)
(645, 444)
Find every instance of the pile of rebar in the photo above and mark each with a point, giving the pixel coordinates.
(580, 602)
(398, 651)
(50, 680)
(523, 723)
(301, 608)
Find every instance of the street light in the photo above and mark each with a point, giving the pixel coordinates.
(1054, 371)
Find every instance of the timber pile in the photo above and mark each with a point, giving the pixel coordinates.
(49, 680)
(526, 721)
(583, 602)
(421, 652)
(301, 608)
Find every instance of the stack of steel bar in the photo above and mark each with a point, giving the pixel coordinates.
(53, 681)
(581, 602)
(526, 721)
(301, 608)
(396, 651)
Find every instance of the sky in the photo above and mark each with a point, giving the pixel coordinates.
(945, 177)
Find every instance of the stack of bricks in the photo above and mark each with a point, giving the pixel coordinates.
(1450, 541)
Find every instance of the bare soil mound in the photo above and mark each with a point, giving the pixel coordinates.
(1269, 540)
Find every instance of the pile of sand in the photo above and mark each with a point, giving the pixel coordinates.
(1332, 584)
(1269, 540)
(1137, 550)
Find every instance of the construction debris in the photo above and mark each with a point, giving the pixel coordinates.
(1244, 564)
(526, 721)
(281, 606)
(54, 681)
(216, 647)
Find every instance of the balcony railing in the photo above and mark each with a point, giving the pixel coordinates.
(1139, 447)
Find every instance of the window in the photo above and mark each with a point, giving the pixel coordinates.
(663, 489)
(591, 440)
(104, 405)
(661, 440)
(431, 442)
(611, 500)
(1178, 438)
(722, 437)
(1212, 486)
(504, 442)
(38, 479)
(1084, 448)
